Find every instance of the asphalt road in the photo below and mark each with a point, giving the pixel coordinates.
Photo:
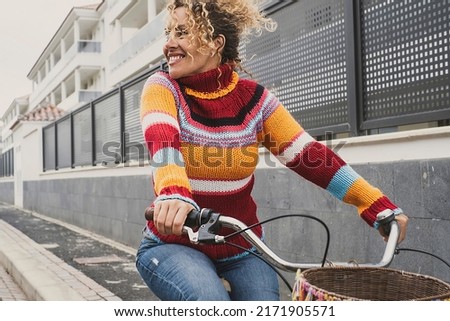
(108, 265)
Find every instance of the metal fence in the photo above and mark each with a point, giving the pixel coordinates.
(106, 131)
(7, 163)
(340, 66)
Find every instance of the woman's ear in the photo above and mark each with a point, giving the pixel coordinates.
(220, 43)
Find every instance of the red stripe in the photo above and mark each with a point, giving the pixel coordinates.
(370, 214)
(170, 190)
(317, 163)
(160, 136)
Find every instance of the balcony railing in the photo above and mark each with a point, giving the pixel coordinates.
(86, 96)
(145, 36)
(89, 46)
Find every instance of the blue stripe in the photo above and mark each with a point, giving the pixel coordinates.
(226, 136)
(177, 197)
(341, 181)
(167, 156)
(270, 105)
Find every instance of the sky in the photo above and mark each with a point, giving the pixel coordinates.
(26, 28)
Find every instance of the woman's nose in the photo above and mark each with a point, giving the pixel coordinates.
(171, 42)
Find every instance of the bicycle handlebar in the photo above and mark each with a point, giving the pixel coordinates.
(209, 222)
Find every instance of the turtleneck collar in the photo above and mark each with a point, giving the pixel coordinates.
(212, 83)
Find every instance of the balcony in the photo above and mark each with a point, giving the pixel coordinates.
(143, 38)
(82, 53)
(86, 96)
(78, 99)
(89, 46)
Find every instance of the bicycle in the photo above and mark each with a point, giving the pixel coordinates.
(316, 281)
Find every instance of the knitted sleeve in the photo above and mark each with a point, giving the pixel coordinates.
(161, 131)
(297, 150)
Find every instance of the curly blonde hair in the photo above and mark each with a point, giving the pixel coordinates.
(236, 20)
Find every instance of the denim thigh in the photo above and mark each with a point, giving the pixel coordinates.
(179, 273)
(251, 279)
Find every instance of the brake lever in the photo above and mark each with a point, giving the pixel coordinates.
(207, 232)
(193, 236)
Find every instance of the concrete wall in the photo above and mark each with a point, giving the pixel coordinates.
(110, 206)
(7, 191)
(420, 188)
(113, 206)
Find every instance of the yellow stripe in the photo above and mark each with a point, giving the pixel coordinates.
(280, 129)
(170, 175)
(217, 163)
(362, 194)
(157, 98)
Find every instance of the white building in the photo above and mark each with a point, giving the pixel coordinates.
(95, 48)
(12, 114)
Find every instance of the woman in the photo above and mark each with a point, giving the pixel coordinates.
(203, 125)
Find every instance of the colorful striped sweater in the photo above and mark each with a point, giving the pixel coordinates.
(203, 133)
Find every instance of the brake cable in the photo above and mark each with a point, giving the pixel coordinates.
(259, 255)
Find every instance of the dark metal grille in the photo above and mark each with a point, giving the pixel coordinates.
(304, 62)
(134, 140)
(64, 143)
(7, 163)
(82, 137)
(405, 58)
(107, 129)
(50, 147)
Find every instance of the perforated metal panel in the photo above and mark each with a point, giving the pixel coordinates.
(405, 57)
(7, 163)
(82, 137)
(304, 62)
(49, 148)
(134, 141)
(107, 129)
(64, 143)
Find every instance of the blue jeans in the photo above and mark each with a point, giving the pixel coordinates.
(179, 273)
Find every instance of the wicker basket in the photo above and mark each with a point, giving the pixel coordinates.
(367, 284)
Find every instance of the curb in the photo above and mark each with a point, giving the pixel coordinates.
(42, 275)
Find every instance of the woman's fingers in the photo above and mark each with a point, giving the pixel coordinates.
(170, 215)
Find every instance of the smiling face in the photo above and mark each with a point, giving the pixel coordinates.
(183, 56)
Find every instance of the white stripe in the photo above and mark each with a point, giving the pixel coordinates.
(158, 118)
(216, 186)
(295, 148)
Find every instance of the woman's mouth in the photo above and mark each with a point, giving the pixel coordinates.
(175, 59)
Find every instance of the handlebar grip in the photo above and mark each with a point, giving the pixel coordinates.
(194, 218)
(384, 219)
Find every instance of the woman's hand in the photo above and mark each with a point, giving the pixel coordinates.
(169, 216)
(402, 221)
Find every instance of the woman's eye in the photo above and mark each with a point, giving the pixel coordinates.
(167, 34)
(180, 33)
(175, 33)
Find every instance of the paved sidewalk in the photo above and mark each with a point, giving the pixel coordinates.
(9, 289)
(43, 260)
